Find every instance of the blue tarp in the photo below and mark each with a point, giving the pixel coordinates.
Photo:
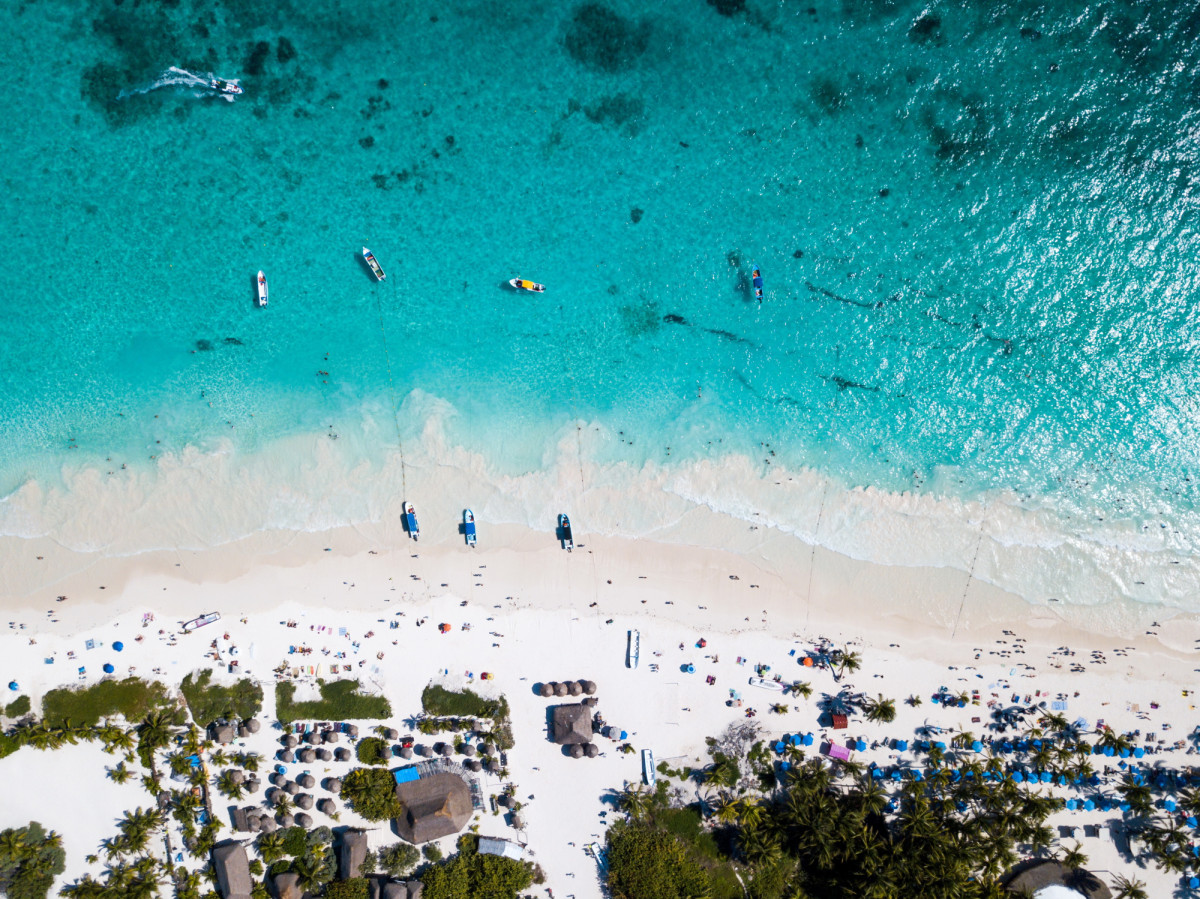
(406, 775)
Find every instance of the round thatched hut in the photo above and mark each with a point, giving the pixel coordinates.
(242, 732)
(252, 724)
(561, 689)
(547, 690)
(326, 806)
(517, 821)
(446, 750)
(252, 784)
(288, 740)
(277, 779)
(277, 796)
(267, 825)
(576, 750)
(591, 750)
(473, 765)
(324, 755)
(304, 801)
(333, 784)
(575, 687)
(468, 750)
(312, 738)
(306, 780)
(286, 820)
(254, 825)
(422, 750)
(291, 788)
(286, 755)
(487, 749)
(308, 755)
(331, 736)
(391, 734)
(352, 731)
(303, 820)
(504, 800)
(236, 776)
(406, 752)
(589, 687)
(342, 754)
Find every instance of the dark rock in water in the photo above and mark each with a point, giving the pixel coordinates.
(799, 254)
(203, 345)
(601, 39)
(200, 30)
(672, 318)
(285, 50)
(449, 140)
(1031, 33)
(925, 27)
(233, 341)
(383, 84)
(827, 94)
(613, 290)
(734, 257)
(366, 142)
(635, 215)
(884, 191)
(620, 112)
(381, 181)
(258, 56)
(728, 7)
(858, 141)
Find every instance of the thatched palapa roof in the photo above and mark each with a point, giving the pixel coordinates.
(436, 805)
(572, 724)
(232, 868)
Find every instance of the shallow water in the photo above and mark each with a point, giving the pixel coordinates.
(975, 224)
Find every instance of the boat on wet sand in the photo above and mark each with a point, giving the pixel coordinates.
(469, 526)
(262, 289)
(564, 533)
(410, 521)
(373, 264)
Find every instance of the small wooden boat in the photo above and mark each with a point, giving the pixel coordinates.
(564, 533)
(207, 618)
(469, 526)
(649, 775)
(410, 521)
(523, 284)
(373, 264)
(262, 289)
(756, 281)
(633, 649)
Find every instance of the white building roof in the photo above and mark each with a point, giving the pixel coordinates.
(489, 846)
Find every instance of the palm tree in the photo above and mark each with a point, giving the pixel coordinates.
(309, 871)
(1073, 858)
(155, 732)
(119, 773)
(847, 662)
(882, 710)
(228, 786)
(726, 809)
(914, 700)
(1128, 888)
(270, 846)
(635, 802)
(802, 689)
(779, 708)
(722, 774)
(750, 813)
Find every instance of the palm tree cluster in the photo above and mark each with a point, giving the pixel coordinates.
(30, 859)
(139, 880)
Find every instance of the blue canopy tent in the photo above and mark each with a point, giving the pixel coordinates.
(918, 774)
(877, 773)
(1046, 777)
(690, 669)
(1139, 753)
(785, 765)
(1194, 883)
(896, 775)
(1072, 804)
(860, 745)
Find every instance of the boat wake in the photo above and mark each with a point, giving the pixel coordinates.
(186, 82)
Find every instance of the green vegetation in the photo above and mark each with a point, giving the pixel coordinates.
(372, 751)
(208, 701)
(339, 701)
(294, 841)
(30, 859)
(469, 875)
(399, 859)
(652, 864)
(354, 888)
(18, 707)
(132, 697)
(371, 792)
(467, 704)
(432, 852)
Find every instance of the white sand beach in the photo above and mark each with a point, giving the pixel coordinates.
(524, 611)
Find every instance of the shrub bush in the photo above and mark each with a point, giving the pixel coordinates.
(132, 697)
(340, 701)
(371, 792)
(399, 859)
(372, 751)
(18, 707)
(208, 701)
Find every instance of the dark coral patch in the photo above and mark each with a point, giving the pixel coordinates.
(256, 59)
(601, 39)
(285, 50)
(728, 8)
(621, 112)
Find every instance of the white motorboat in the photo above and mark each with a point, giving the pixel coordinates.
(633, 649)
(373, 264)
(262, 289)
(225, 87)
(649, 775)
(766, 684)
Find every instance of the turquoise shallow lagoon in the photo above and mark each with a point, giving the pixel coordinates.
(976, 224)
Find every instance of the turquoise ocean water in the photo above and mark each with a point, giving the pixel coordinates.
(976, 224)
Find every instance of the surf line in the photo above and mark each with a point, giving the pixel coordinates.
(387, 358)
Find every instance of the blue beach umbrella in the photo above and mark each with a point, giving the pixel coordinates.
(1169, 804)
(1139, 753)
(861, 745)
(918, 774)
(1194, 882)
(977, 746)
(779, 747)
(1018, 777)
(785, 765)
(1191, 821)
(1124, 753)
(1072, 804)
(902, 745)
(808, 739)
(1061, 780)
(795, 739)
(108, 668)
(896, 775)
(940, 745)
(1125, 806)
(1046, 777)
(1089, 806)
(1109, 751)
(691, 669)
(877, 773)
(118, 646)
(13, 685)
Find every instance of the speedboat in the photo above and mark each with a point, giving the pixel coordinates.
(410, 521)
(206, 618)
(262, 289)
(649, 775)
(469, 526)
(373, 264)
(633, 649)
(225, 87)
(756, 280)
(766, 684)
(523, 284)
(564, 530)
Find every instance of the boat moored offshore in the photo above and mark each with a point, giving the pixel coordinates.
(373, 264)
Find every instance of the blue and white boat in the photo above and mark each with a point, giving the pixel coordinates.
(649, 775)
(756, 281)
(373, 264)
(633, 649)
(410, 521)
(469, 526)
(564, 533)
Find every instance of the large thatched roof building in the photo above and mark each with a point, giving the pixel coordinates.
(351, 853)
(232, 868)
(1040, 876)
(572, 724)
(435, 805)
